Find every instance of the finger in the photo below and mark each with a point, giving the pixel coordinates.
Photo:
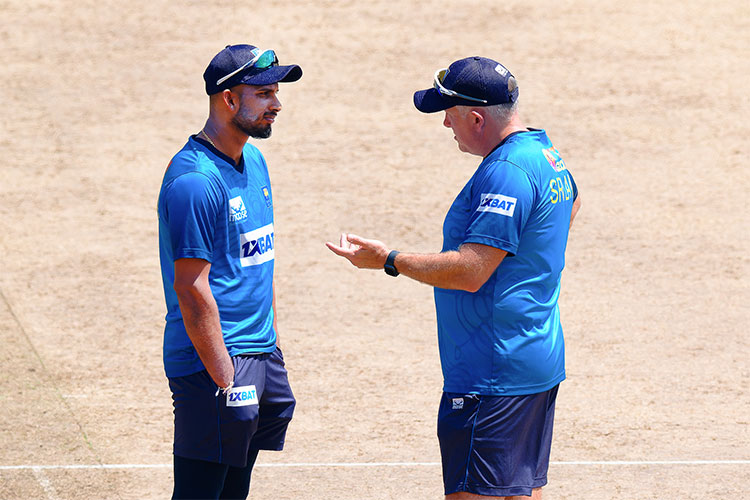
(353, 238)
(337, 250)
(333, 247)
(343, 241)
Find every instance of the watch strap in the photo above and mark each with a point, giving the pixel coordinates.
(389, 267)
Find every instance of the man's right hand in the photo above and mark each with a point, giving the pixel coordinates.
(362, 253)
(201, 318)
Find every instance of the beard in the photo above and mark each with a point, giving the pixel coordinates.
(251, 124)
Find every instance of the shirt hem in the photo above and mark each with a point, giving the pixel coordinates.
(493, 242)
(504, 391)
(193, 254)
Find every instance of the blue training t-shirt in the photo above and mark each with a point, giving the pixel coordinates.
(211, 209)
(506, 338)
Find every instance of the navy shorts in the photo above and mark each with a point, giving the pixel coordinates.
(495, 445)
(253, 415)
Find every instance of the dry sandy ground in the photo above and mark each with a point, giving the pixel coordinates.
(647, 101)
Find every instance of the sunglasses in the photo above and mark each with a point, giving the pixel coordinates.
(438, 84)
(264, 59)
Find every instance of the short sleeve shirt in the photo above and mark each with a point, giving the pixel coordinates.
(222, 213)
(506, 338)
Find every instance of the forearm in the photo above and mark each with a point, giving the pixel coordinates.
(448, 270)
(201, 318)
(467, 268)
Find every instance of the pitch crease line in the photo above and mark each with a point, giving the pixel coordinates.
(380, 464)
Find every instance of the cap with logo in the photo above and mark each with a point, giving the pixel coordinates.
(473, 81)
(246, 64)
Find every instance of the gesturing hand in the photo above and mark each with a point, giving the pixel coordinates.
(362, 253)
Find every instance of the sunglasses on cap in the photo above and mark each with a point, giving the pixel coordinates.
(438, 84)
(262, 60)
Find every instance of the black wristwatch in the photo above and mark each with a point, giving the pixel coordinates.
(390, 269)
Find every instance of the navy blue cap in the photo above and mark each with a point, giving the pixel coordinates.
(233, 57)
(476, 77)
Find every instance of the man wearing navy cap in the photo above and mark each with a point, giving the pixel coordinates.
(497, 281)
(229, 385)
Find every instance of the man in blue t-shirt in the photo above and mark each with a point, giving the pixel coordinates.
(497, 281)
(229, 385)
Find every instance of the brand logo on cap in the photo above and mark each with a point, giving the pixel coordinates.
(500, 69)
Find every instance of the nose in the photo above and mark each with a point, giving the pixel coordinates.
(276, 104)
(446, 121)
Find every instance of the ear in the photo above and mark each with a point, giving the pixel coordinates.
(230, 99)
(476, 119)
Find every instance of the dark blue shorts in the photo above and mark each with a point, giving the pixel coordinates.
(495, 445)
(254, 415)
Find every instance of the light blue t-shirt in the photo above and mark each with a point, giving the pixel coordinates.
(212, 210)
(506, 339)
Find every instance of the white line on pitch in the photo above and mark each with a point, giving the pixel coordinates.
(381, 464)
(45, 483)
(655, 462)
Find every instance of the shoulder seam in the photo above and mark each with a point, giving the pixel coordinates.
(505, 160)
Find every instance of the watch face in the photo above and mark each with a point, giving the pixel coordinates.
(390, 270)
